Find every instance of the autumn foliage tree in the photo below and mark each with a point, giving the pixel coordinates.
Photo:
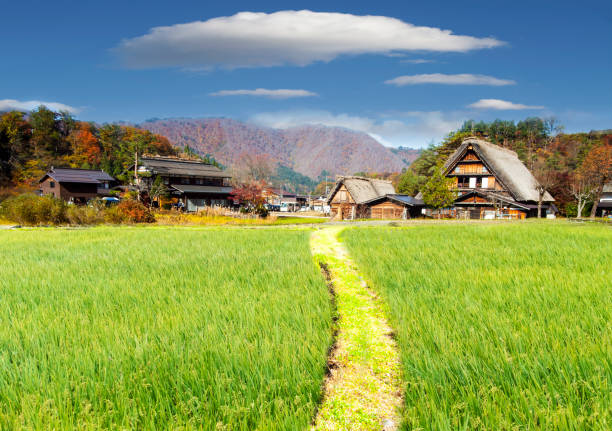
(597, 166)
(250, 195)
(85, 145)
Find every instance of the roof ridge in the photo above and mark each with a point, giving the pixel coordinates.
(484, 141)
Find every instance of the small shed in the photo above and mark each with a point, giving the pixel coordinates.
(395, 206)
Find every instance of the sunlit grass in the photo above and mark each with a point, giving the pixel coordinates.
(499, 326)
(160, 328)
(221, 220)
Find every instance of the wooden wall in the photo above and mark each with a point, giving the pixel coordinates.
(387, 210)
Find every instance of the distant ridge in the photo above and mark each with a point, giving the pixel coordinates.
(309, 149)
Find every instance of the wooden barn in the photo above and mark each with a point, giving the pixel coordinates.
(491, 182)
(76, 185)
(394, 206)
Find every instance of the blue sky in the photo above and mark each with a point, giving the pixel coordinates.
(405, 72)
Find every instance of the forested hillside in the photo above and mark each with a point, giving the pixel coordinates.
(31, 143)
(309, 150)
(566, 164)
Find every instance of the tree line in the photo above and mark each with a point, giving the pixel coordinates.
(573, 167)
(30, 143)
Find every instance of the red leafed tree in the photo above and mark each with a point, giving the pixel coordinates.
(597, 166)
(85, 145)
(249, 194)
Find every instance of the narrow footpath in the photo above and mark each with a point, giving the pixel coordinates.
(363, 390)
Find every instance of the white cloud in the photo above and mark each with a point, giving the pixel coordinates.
(250, 39)
(501, 105)
(281, 93)
(417, 61)
(414, 129)
(441, 78)
(30, 105)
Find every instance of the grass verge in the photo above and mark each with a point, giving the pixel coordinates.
(160, 328)
(500, 326)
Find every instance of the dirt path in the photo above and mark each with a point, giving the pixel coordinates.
(363, 390)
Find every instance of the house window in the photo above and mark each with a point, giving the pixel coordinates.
(484, 170)
(343, 195)
(485, 183)
(166, 180)
(457, 169)
(472, 182)
(51, 184)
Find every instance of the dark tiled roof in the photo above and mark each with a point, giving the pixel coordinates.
(406, 199)
(181, 167)
(68, 175)
(188, 188)
(402, 199)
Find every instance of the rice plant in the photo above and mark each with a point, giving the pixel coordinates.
(160, 328)
(499, 326)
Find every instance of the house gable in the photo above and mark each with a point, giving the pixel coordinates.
(477, 159)
(470, 171)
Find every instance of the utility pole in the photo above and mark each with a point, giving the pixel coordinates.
(136, 174)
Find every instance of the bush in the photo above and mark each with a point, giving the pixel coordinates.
(132, 212)
(89, 215)
(166, 206)
(113, 215)
(32, 210)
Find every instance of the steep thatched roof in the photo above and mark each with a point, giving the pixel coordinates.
(506, 166)
(362, 189)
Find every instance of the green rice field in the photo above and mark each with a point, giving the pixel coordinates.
(161, 328)
(500, 326)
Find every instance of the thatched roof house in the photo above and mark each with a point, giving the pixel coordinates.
(491, 181)
(348, 199)
(505, 165)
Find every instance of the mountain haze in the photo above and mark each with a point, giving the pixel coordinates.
(308, 149)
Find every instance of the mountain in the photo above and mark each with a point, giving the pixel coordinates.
(408, 155)
(308, 150)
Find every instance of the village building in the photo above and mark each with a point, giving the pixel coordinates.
(394, 206)
(604, 207)
(192, 184)
(491, 182)
(76, 185)
(358, 197)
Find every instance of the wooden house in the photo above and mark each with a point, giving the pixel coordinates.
(604, 206)
(193, 183)
(76, 185)
(350, 196)
(491, 182)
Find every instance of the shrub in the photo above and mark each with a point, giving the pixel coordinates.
(114, 215)
(89, 215)
(133, 212)
(30, 209)
(166, 206)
